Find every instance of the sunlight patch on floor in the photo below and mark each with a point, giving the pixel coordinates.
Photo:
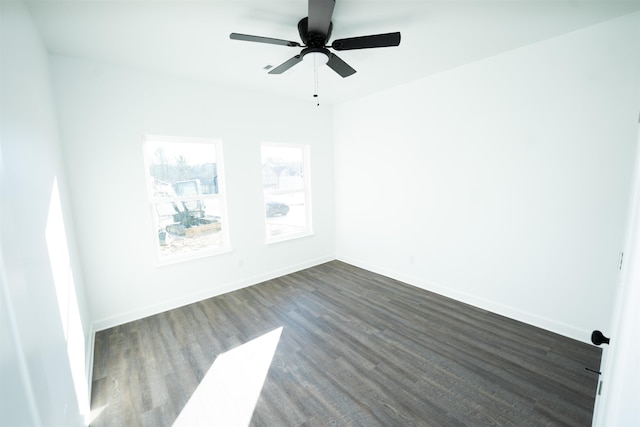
(95, 413)
(228, 393)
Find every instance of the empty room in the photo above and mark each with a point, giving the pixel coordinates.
(319, 212)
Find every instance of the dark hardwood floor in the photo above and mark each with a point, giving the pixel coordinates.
(356, 348)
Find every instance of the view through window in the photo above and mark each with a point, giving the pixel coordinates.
(285, 177)
(188, 204)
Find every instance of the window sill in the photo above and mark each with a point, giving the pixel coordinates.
(288, 237)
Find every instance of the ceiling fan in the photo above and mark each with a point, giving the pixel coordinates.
(315, 31)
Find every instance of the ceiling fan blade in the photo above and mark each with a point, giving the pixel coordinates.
(367, 42)
(320, 12)
(286, 65)
(259, 39)
(339, 66)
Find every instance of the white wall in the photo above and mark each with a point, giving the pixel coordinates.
(503, 183)
(105, 111)
(38, 340)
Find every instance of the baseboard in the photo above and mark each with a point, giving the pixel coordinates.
(130, 316)
(474, 300)
(479, 302)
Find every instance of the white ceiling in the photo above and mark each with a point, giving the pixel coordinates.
(191, 38)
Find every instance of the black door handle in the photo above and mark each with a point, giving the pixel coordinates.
(598, 338)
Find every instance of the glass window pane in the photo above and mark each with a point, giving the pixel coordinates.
(285, 192)
(183, 162)
(188, 207)
(282, 168)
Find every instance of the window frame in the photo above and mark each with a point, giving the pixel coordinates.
(220, 197)
(306, 190)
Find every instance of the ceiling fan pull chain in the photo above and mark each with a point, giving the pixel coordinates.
(315, 79)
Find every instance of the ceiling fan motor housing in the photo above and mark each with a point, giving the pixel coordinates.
(312, 39)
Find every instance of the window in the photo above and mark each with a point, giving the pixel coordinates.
(285, 178)
(186, 194)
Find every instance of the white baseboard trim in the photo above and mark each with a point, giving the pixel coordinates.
(474, 300)
(533, 319)
(150, 310)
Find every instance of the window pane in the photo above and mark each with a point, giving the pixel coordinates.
(285, 192)
(184, 163)
(188, 207)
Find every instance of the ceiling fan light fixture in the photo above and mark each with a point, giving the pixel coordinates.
(316, 58)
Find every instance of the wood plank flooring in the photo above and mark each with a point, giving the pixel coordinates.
(356, 349)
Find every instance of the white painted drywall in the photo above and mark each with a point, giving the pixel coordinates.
(37, 386)
(503, 183)
(105, 111)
